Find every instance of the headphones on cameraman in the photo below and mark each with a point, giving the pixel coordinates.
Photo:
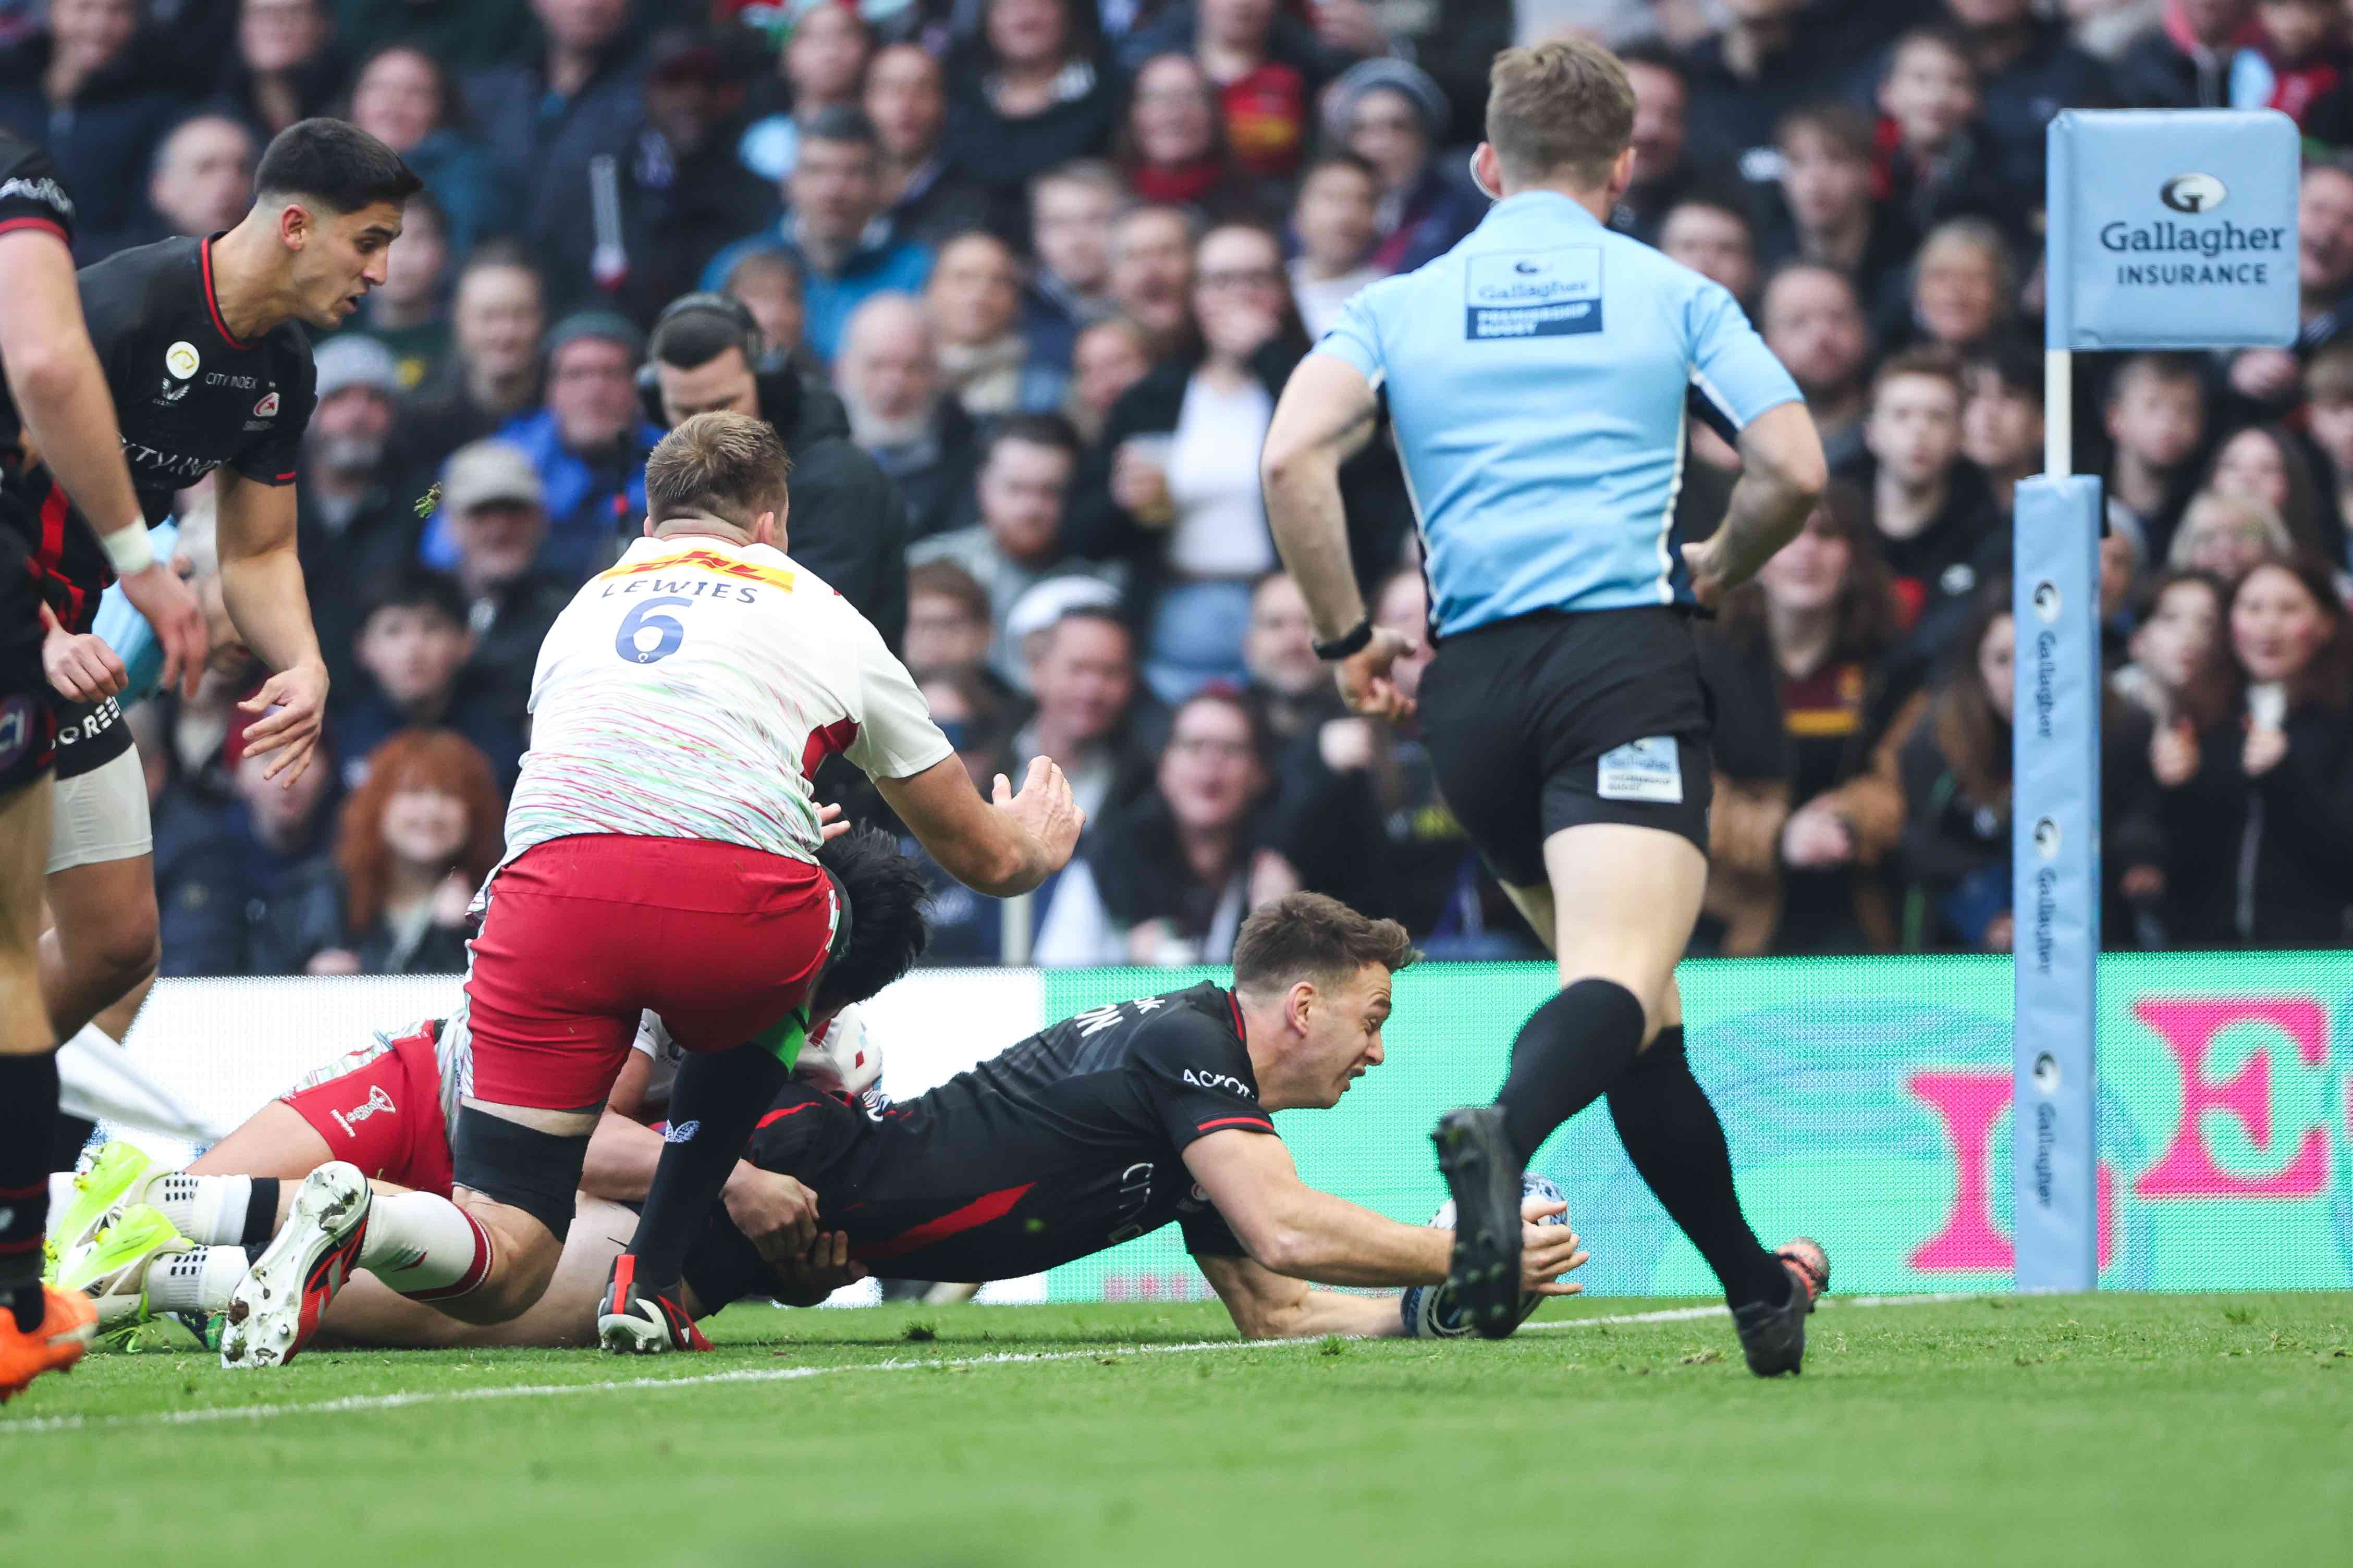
(765, 366)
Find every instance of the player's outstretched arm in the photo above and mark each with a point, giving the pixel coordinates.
(1291, 1228)
(1265, 1305)
(60, 393)
(1000, 847)
(1325, 417)
(261, 581)
(1782, 475)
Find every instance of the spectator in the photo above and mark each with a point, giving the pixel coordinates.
(1111, 356)
(2154, 416)
(924, 200)
(466, 34)
(545, 120)
(2106, 28)
(2261, 805)
(1662, 173)
(1828, 213)
(2180, 674)
(1964, 286)
(203, 180)
(414, 842)
(1456, 43)
(1929, 508)
(352, 528)
(1172, 138)
(836, 193)
(900, 414)
(409, 315)
(966, 928)
(1744, 78)
(1068, 289)
(1083, 679)
(2027, 71)
(2265, 463)
(2299, 59)
(843, 522)
(1152, 274)
(411, 643)
(824, 62)
(1031, 91)
(2185, 63)
(1794, 670)
(1292, 686)
(948, 622)
(1712, 236)
(1023, 488)
(1813, 323)
(200, 869)
(1267, 69)
(1338, 203)
(1936, 162)
(2228, 535)
(498, 520)
(266, 864)
(1391, 115)
(768, 284)
(974, 301)
(2001, 421)
(284, 69)
(589, 444)
(2328, 416)
(496, 315)
(1173, 876)
(76, 88)
(2324, 271)
(403, 98)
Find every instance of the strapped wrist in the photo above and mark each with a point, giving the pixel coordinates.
(128, 549)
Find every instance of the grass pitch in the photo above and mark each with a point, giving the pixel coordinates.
(2087, 1430)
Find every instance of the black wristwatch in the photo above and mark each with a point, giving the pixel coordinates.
(1348, 644)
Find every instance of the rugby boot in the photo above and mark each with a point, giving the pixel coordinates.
(1483, 1174)
(276, 1308)
(68, 1321)
(634, 1321)
(1773, 1335)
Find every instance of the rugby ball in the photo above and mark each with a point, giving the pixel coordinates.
(1430, 1311)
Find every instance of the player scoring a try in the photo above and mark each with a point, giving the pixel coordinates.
(1538, 379)
(661, 855)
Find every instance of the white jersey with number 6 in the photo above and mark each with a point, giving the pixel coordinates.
(689, 692)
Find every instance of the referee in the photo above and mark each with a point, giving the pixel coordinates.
(1538, 379)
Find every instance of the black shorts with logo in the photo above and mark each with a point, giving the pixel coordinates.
(29, 722)
(1560, 719)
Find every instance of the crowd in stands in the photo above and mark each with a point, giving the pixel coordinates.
(1020, 280)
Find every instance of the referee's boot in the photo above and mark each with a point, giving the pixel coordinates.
(1482, 1172)
(634, 1321)
(1773, 1335)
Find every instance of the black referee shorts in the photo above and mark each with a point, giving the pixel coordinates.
(28, 721)
(1560, 719)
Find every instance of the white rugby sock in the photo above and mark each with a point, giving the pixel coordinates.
(208, 1209)
(194, 1282)
(425, 1247)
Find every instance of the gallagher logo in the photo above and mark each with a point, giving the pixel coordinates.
(266, 408)
(2193, 192)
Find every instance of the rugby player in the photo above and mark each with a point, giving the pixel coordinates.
(58, 440)
(1536, 380)
(661, 857)
(204, 350)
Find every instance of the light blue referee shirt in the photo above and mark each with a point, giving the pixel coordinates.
(126, 631)
(1538, 376)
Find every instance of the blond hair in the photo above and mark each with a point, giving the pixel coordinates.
(1560, 106)
(728, 466)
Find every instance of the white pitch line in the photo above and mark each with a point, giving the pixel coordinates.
(357, 1403)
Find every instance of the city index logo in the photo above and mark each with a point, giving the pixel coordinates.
(705, 560)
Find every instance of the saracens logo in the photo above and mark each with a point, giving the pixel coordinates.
(2193, 192)
(266, 408)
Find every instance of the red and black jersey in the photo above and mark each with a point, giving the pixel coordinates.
(190, 398)
(1067, 1144)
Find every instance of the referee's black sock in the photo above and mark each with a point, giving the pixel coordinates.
(28, 1115)
(1672, 1135)
(714, 1107)
(1569, 1051)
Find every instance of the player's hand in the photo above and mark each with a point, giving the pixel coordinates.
(808, 1278)
(300, 698)
(1044, 810)
(1364, 676)
(1711, 576)
(1547, 1251)
(777, 1215)
(80, 666)
(832, 824)
(171, 609)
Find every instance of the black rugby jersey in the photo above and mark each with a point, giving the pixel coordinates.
(189, 397)
(1067, 1144)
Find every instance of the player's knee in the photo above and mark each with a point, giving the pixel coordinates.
(119, 948)
(25, 1028)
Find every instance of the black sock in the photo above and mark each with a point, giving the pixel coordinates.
(70, 1138)
(1569, 1051)
(260, 1212)
(716, 1103)
(28, 1119)
(1676, 1142)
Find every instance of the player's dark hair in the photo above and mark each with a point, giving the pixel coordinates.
(416, 587)
(336, 165)
(887, 905)
(1037, 429)
(1314, 936)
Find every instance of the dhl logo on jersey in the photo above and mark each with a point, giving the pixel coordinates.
(704, 561)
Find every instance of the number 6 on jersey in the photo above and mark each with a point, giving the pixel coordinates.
(667, 632)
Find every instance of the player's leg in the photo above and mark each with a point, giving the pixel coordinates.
(369, 1313)
(101, 893)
